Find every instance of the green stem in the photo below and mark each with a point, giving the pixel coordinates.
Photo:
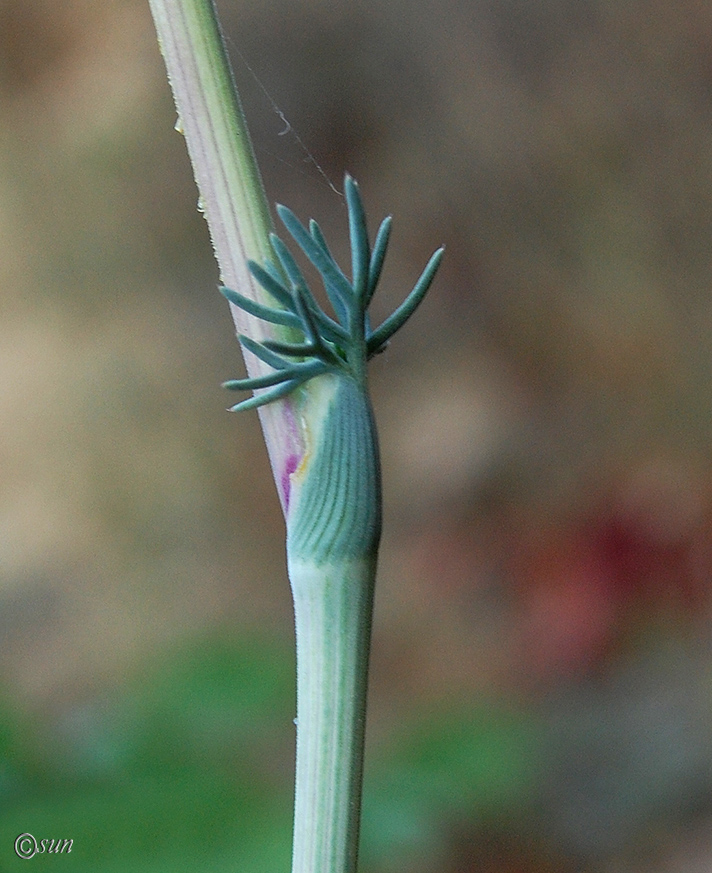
(332, 499)
(333, 531)
(231, 192)
(333, 608)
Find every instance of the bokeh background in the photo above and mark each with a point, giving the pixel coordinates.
(541, 696)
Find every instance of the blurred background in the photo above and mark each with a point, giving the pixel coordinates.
(541, 693)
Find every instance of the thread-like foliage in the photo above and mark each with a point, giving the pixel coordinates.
(330, 345)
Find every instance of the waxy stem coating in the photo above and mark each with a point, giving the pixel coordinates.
(335, 495)
(333, 531)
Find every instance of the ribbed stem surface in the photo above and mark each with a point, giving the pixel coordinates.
(333, 606)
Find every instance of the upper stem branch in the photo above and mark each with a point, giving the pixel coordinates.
(231, 192)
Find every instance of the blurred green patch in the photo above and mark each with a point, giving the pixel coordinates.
(179, 771)
(464, 768)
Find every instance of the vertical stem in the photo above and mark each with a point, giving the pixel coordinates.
(333, 531)
(231, 192)
(333, 607)
(334, 517)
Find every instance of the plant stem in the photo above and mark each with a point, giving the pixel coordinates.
(333, 532)
(231, 193)
(333, 617)
(332, 545)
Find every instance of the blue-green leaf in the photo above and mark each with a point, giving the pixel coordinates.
(378, 256)
(266, 313)
(358, 233)
(395, 321)
(268, 396)
(336, 284)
